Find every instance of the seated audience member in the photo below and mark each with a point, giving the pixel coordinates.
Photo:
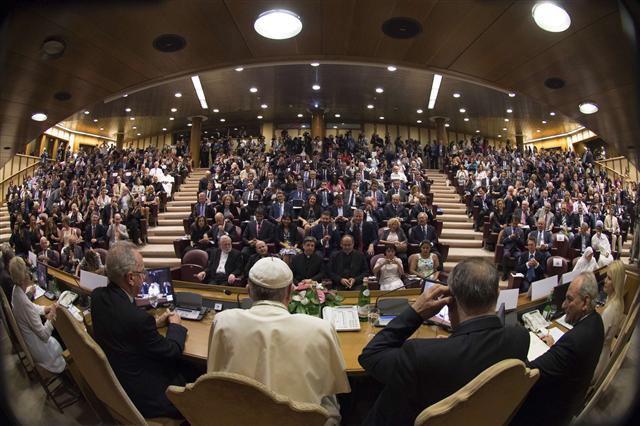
(94, 233)
(582, 240)
(283, 351)
(202, 208)
(91, 262)
(483, 202)
(425, 264)
(144, 361)
(365, 234)
(326, 235)
(586, 262)
(6, 254)
(478, 341)
(600, 243)
(564, 221)
(389, 269)
(279, 208)
(117, 231)
(612, 227)
(287, 239)
(612, 313)
(524, 218)
(339, 212)
(71, 256)
(422, 231)
(348, 267)
(200, 234)
(579, 218)
(310, 212)
(258, 229)
(542, 238)
(262, 251)
(513, 242)
(372, 213)
(567, 367)
(396, 236)
(47, 255)
(422, 207)
(308, 265)
(531, 264)
(220, 227)
(226, 207)
(45, 349)
(225, 264)
(395, 209)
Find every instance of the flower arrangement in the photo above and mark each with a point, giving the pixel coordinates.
(309, 297)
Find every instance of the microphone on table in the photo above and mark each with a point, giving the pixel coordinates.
(244, 303)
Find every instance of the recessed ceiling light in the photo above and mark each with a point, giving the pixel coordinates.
(509, 110)
(164, 129)
(206, 131)
(95, 120)
(381, 117)
(171, 118)
(278, 24)
(504, 129)
(477, 131)
(174, 109)
(86, 112)
(216, 110)
(418, 121)
(391, 68)
(222, 120)
(315, 105)
(132, 118)
(101, 128)
(189, 124)
(316, 87)
(512, 95)
(239, 69)
(264, 106)
(551, 17)
(456, 95)
(178, 95)
(303, 126)
(127, 109)
(39, 116)
(335, 127)
(336, 115)
(259, 117)
(315, 64)
(253, 89)
(125, 95)
(462, 110)
(588, 108)
(138, 134)
(506, 120)
(379, 90)
(552, 113)
(134, 127)
(300, 115)
(499, 136)
(446, 125)
(466, 119)
(419, 111)
(369, 106)
(538, 130)
(544, 121)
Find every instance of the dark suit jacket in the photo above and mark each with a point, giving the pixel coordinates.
(420, 372)
(575, 217)
(143, 361)
(233, 265)
(307, 268)
(273, 212)
(317, 231)
(101, 233)
(546, 237)
(522, 264)
(417, 235)
(267, 232)
(347, 211)
(566, 370)
(208, 211)
(390, 211)
(576, 243)
(369, 235)
(352, 266)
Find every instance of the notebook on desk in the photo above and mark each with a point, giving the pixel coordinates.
(343, 318)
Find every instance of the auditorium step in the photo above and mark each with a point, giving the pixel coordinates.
(161, 262)
(163, 222)
(455, 218)
(457, 254)
(175, 215)
(166, 230)
(164, 239)
(178, 208)
(460, 243)
(183, 203)
(460, 234)
(158, 250)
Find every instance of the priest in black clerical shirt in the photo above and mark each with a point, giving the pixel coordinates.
(307, 265)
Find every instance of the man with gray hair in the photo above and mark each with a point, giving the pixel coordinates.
(567, 367)
(144, 361)
(419, 372)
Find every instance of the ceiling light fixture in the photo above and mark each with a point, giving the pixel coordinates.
(538, 130)
(419, 111)
(178, 95)
(509, 110)
(134, 127)
(95, 120)
(87, 113)
(381, 117)
(189, 124)
(101, 128)
(544, 121)
(316, 87)
(39, 116)
(551, 17)
(456, 95)
(315, 64)
(239, 69)
(300, 116)
(512, 95)
(335, 127)
(477, 131)
(259, 117)
(446, 125)
(303, 126)
(462, 110)
(216, 110)
(466, 119)
(125, 95)
(278, 24)
(336, 115)
(138, 134)
(369, 106)
(253, 89)
(199, 91)
(419, 121)
(171, 118)
(174, 109)
(127, 109)
(435, 87)
(588, 108)
(132, 118)
(391, 68)
(222, 120)
(552, 113)
(506, 120)
(379, 90)
(504, 129)
(499, 136)
(164, 129)
(264, 106)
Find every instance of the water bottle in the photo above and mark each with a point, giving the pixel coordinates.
(364, 299)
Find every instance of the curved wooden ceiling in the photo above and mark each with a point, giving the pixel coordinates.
(109, 51)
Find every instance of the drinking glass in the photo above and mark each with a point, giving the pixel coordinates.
(372, 317)
(153, 301)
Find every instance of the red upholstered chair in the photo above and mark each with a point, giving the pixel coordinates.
(196, 257)
(374, 259)
(557, 270)
(560, 248)
(189, 271)
(180, 245)
(57, 259)
(103, 255)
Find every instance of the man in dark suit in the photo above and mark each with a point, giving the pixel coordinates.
(542, 238)
(225, 264)
(513, 243)
(396, 188)
(325, 197)
(484, 204)
(259, 229)
(567, 367)
(420, 372)
(144, 361)
(395, 209)
(582, 239)
(210, 193)
(109, 212)
(563, 218)
(204, 181)
(48, 255)
(422, 231)
(352, 197)
(524, 216)
(578, 218)
(365, 234)
(348, 266)
(307, 265)
(326, 235)
(279, 208)
(202, 208)
(531, 264)
(94, 233)
(422, 207)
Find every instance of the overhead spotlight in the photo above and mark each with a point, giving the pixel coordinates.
(300, 115)
(239, 69)
(132, 118)
(216, 110)
(499, 136)
(95, 120)
(315, 64)
(164, 129)
(379, 90)
(477, 131)
(174, 109)
(125, 95)
(206, 131)
(544, 121)
(127, 109)
(316, 87)
(419, 111)
(189, 124)
(511, 95)
(253, 89)
(456, 95)
(138, 134)
(335, 127)
(504, 129)
(506, 120)
(222, 120)
(369, 106)
(315, 105)
(588, 108)
(303, 126)
(419, 121)
(264, 106)
(552, 113)
(87, 113)
(509, 110)
(278, 24)
(446, 124)
(462, 110)
(101, 128)
(551, 17)
(466, 119)
(391, 68)
(336, 115)
(171, 118)
(538, 131)
(134, 127)
(259, 117)
(381, 117)
(39, 116)
(178, 95)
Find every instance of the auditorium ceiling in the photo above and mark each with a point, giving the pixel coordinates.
(484, 50)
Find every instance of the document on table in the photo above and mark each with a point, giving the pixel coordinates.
(563, 322)
(556, 333)
(38, 292)
(343, 318)
(536, 347)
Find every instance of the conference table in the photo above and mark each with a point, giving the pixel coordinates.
(197, 342)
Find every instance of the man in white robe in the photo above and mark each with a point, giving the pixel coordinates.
(294, 355)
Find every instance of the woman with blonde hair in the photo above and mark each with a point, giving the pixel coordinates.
(44, 348)
(612, 312)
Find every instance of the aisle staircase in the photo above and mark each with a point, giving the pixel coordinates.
(159, 252)
(5, 224)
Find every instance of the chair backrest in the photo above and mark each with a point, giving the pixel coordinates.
(556, 270)
(179, 246)
(502, 387)
(240, 401)
(188, 272)
(15, 331)
(92, 362)
(374, 259)
(196, 257)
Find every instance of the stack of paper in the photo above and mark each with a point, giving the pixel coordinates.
(536, 347)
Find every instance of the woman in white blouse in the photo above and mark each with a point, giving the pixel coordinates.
(612, 312)
(389, 269)
(45, 349)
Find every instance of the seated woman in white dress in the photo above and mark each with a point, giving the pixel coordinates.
(600, 243)
(586, 263)
(389, 269)
(45, 349)
(612, 313)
